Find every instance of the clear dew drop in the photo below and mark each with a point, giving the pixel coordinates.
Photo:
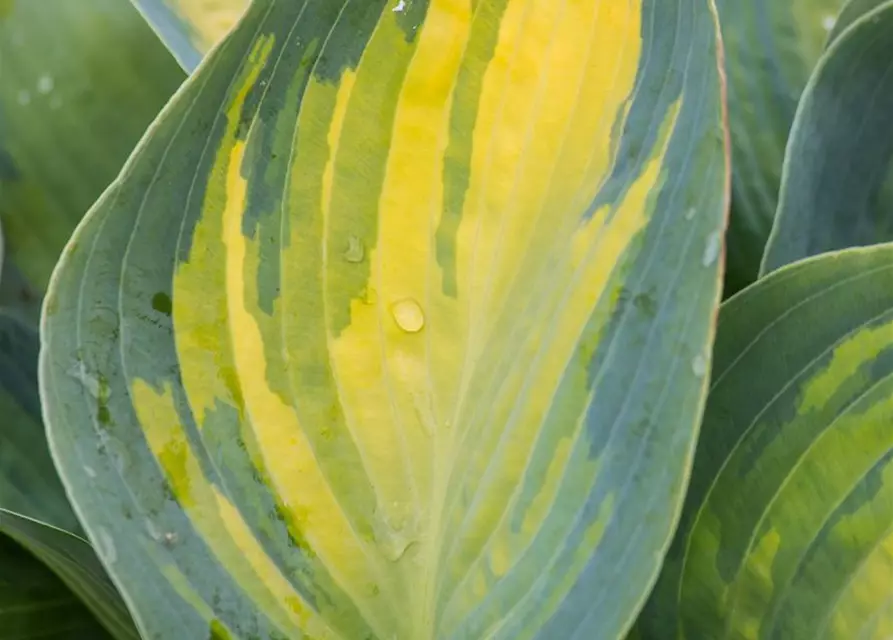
(690, 214)
(394, 530)
(355, 251)
(45, 84)
(699, 366)
(711, 249)
(91, 473)
(400, 8)
(828, 22)
(107, 545)
(408, 315)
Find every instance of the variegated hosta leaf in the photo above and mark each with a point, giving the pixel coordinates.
(838, 182)
(80, 80)
(398, 323)
(787, 530)
(771, 48)
(34, 603)
(191, 27)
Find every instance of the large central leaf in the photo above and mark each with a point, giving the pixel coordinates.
(397, 324)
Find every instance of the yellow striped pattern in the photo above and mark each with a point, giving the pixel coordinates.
(413, 306)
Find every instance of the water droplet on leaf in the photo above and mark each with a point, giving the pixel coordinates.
(107, 545)
(711, 249)
(355, 251)
(690, 213)
(699, 366)
(409, 315)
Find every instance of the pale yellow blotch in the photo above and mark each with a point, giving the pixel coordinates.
(361, 373)
(208, 20)
(199, 305)
(342, 99)
(846, 361)
(381, 359)
(559, 79)
(560, 76)
(220, 525)
(524, 415)
(868, 593)
(757, 570)
(864, 597)
(287, 453)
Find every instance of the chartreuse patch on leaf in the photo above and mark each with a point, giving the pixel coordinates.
(787, 530)
(191, 27)
(397, 323)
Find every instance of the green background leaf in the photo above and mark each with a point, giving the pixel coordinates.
(837, 190)
(787, 530)
(398, 324)
(82, 79)
(771, 48)
(35, 604)
(34, 509)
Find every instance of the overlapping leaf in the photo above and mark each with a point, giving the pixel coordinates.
(398, 323)
(787, 530)
(81, 81)
(35, 604)
(34, 509)
(771, 48)
(837, 191)
(191, 27)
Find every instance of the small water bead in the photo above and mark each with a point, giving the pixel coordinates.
(355, 251)
(699, 366)
(107, 545)
(690, 213)
(711, 249)
(828, 21)
(408, 315)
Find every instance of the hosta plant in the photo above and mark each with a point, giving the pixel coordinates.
(402, 319)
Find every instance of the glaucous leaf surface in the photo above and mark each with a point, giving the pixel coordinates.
(398, 324)
(771, 48)
(191, 27)
(81, 81)
(837, 190)
(35, 604)
(34, 509)
(787, 530)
